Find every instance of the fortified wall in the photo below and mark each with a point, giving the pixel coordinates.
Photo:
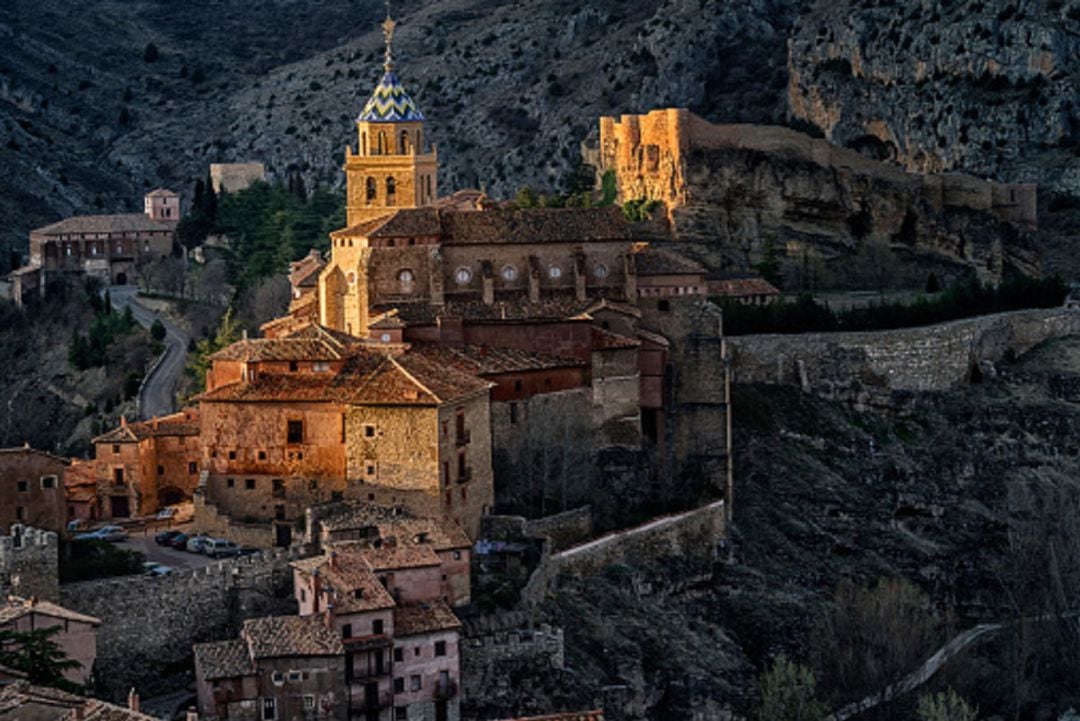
(728, 188)
(29, 559)
(148, 624)
(868, 368)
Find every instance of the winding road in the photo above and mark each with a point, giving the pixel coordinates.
(157, 397)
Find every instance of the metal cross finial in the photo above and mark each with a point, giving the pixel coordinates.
(388, 34)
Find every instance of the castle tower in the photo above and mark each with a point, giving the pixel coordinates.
(390, 168)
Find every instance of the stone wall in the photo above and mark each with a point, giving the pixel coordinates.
(148, 624)
(29, 564)
(868, 368)
(562, 530)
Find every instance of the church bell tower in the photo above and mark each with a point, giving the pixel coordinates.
(390, 168)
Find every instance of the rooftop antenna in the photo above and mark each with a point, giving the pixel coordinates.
(388, 35)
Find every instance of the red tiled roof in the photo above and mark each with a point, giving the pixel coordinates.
(305, 272)
(183, 423)
(310, 343)
(346, 573)
(122, 223)
(421, 618)
(662, 261)
(162, 193)
(536, 225)
(508, 306)
(741, 287)
(388, 559)
(15, 608)
(28, 450)
(22, 702)
(285, 636)
(224, 659)
(490, 360)
(606, 340)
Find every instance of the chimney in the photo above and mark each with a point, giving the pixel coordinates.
(192, 715)
(328, 619)
(316, 589)
(333, 560)
(154, 423)
(133, 700)
(123, 421)
(80, 711)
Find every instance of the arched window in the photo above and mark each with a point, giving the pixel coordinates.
(372, 189)
(382, 142)
(429, 194)
(391, 189)
(404, 142)
(407, 280)
(363, 143)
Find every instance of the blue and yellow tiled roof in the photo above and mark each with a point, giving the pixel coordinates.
(390, 103)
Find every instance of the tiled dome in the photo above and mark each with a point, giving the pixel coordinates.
(390, 103)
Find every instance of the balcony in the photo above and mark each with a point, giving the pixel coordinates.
(445, 689)
(359, 699)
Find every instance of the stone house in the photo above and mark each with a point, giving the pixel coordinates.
(316, 416)
(21, 701)
(77, 637)
(281, 667)
(32, 489)
(141, 467)
(401, 639)
(110, 247)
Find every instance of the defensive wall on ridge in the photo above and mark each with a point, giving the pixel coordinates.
(149, 623)
(29, 559)
(868, 368)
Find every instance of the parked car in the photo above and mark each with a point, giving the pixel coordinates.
(152, 568)
(75, 524)
(165, 538)
(220, 548)
(179, 541)
(195, 543)
(105, 533)
(166, 513)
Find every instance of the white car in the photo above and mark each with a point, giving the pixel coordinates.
(105, 533)
(220, 548)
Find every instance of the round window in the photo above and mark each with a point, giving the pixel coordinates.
(555, 272)
(463, 276)
(406, 276)
(600, 270)
(509, 272)
(385, 337)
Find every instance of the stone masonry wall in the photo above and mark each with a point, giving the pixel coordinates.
(867, 368)
(29, 564)
(148, 624)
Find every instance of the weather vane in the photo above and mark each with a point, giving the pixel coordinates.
(388, 34)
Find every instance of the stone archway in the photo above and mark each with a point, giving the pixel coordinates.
(170, 496)
(121, 278)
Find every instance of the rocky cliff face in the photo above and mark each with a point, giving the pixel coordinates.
(984, 87)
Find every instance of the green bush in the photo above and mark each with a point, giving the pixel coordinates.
(965, 299)
(789, 693)
(87, 560)
(945, 706)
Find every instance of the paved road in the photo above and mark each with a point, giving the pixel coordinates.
(163, 555)
(158, 396)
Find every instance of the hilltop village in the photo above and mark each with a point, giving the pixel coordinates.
(466, 402)
(364, 445)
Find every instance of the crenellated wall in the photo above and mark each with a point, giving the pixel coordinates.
(29, 563)
(148, 624)
(867, 368)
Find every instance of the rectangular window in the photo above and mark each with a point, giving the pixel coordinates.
(230, 482)
(440, 648)
(116, 450)
(513, 414)
(459, 425)
(295, 432)
(414, 682)
(262, 455)
(462, 468)
(293, 367)
(346, 631)
(269, 709)
(303, 595)
(399, 685)
(161, 470)
(19, 514)
(48, 482)
(377, 626)
(369, 430)
(192, 467)
(118, 476)
(370, 469)
(309, 701)
(249, 483)
(399, 655)
(232, 455)
(23, 486)
(400, 713)
(321, 366)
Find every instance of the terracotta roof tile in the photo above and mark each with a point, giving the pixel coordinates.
(388, 559)
(349, 574)
(29, 450)
(606, 340)
(16, 608)
(183, 423)
(122, 223)
(421, 618)
(741, 287)
(162, 193)
(21, 701)
(662, 261)
(535, 225)
(488, 360)
(508, 306)
(224, 659)
(286, 636)
(595, 715)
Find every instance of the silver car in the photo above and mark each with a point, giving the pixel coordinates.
(112, 534)
(195, 544)
(220, 548)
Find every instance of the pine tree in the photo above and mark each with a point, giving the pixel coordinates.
(36, 654)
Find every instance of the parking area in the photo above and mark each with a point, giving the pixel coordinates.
(163, 555)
